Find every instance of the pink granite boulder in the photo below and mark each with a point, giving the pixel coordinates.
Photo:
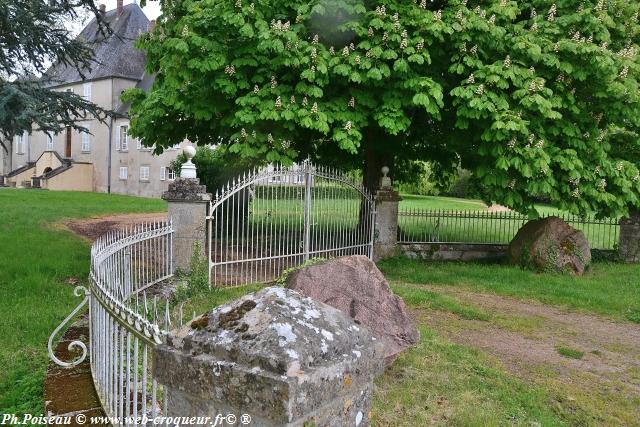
(355, 286)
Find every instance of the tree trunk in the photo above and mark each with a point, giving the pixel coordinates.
(371, 174)
(372, 171)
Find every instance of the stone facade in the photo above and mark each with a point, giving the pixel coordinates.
(188, 203)
(630, 238)
(118, 162)
(280, 357)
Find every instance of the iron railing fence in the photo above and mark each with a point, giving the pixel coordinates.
(478, 227)
(125, 325)
(267, 221)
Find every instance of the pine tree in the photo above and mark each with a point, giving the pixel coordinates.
(33, 36)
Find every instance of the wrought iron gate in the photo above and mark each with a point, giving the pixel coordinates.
(276, 218)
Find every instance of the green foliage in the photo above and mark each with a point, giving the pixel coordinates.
(282, 279)
(462, 185)
(215, 166)
(533, 99)
(197, 278)
(422, 182)
(570, 352)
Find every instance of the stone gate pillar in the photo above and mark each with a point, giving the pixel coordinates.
(271, 358)
(629, 243)
(188, 203)
(386, 231)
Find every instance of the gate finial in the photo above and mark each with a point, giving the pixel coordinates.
(385, 182)
(188, 169)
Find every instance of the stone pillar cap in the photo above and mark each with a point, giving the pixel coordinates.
(288, 346)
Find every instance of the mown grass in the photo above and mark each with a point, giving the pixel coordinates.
(412, 201)
(442, 383)
(606, 288)
(36, 258)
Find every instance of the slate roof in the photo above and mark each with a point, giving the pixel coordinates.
(114, 57)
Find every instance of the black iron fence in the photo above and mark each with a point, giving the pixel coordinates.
(478, 227)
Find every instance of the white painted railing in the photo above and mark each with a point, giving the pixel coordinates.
(125, 324)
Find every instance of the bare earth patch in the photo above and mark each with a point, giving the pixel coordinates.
(92, 228)
(604, 383)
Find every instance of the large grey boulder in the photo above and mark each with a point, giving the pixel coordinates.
(550, 244)
(355, 286)
(277, 355)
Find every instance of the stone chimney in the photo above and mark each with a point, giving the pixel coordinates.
(103, 9)
(120, 7)
(152, 24)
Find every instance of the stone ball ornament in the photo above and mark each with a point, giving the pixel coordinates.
(189, 152)
(188, 170)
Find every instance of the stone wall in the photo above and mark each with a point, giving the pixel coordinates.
(453, 252)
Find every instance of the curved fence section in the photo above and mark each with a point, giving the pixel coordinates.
(125, 324)
(276, 218)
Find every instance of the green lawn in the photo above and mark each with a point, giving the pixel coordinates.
(607, 288)
(412, 201)
(439, 382)
(36, 258)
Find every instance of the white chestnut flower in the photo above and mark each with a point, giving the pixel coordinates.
(314, 108)
(278, 102)
(243, 133)
(602, 184)
(348, 126)
(274, 82)
(292, 100)
(345, 51)
(471, 80)
(551, 16)
(304, 101)
(256, 89)
(352, 102)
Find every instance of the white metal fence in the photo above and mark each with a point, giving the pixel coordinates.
(267, 221)
(125, 325)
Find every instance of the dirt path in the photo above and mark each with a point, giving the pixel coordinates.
(92, 228)
(528, 338)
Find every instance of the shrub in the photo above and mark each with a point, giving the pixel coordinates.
(215, 166)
